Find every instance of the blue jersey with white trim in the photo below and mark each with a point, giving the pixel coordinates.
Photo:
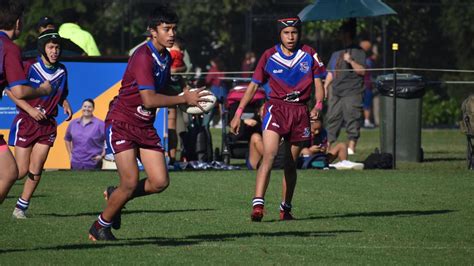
(37, 73)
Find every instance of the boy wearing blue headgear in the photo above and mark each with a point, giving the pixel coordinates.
(292, 70)
(33, 130)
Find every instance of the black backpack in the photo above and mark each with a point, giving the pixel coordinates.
(377, 160)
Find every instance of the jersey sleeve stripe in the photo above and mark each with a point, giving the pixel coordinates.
(320, 75)
(258, 82)
(18, 82)
(146, 88)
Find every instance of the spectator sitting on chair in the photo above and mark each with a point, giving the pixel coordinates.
(253, 127)
(319, 145)
(85, 139)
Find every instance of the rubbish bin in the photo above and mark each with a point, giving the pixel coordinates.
(410, 91)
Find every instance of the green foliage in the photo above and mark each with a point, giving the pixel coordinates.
(456, 18)
(438, 111)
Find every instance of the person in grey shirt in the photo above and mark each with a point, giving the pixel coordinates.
(344, 87)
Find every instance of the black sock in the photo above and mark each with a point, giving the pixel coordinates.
(140, 189)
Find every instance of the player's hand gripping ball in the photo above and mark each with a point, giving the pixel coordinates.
(206, 106)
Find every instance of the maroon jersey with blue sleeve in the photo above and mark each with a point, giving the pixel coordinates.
(37, 73)
(290, 77)
(147, 69)
(11, 68)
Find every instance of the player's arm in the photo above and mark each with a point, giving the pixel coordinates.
(16, 77)
(248, 96)
(26, 92)
(67, 109)
(33, 112)
(151, 99)
(319, 72)
(319, 93)
(143, 71)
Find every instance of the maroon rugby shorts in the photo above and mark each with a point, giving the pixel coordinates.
(289, 120)
(25, 132)
(121, 136)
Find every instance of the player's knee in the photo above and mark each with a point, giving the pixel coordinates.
(158, 186)
(127, 187)
(22, 172)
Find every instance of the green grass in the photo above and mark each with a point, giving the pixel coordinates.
(422, 213)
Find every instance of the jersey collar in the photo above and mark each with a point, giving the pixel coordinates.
(163, 59)
(278, 48)
(4, 34)
(49, 70)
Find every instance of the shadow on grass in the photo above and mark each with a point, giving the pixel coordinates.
(164, 242)
(186, 241)
(226, 237)
(34, 196)
(123, 212)
(443, 159)
(376, 214)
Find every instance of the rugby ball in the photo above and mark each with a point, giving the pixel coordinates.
(207, 106)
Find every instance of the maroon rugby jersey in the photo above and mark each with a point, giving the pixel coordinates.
(291, 77)
(147, 69)
(11, 68)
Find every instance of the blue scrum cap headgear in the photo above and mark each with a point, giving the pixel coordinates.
(289, 22)
(45, 37)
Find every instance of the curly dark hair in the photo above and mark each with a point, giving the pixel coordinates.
(10, 12)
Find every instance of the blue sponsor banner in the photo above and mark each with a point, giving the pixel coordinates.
(97, 78)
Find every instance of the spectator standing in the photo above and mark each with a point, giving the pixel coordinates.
(366, 45)
(214, 80)
(85, 139)
(175, 87)
(346, 75)
(71, 30)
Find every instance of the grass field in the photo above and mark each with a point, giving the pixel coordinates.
(422, 213)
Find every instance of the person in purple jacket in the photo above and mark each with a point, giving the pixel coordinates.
(85, 139)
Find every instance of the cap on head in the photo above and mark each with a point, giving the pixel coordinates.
(45, 21)
(45, 37)
(289, 22)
